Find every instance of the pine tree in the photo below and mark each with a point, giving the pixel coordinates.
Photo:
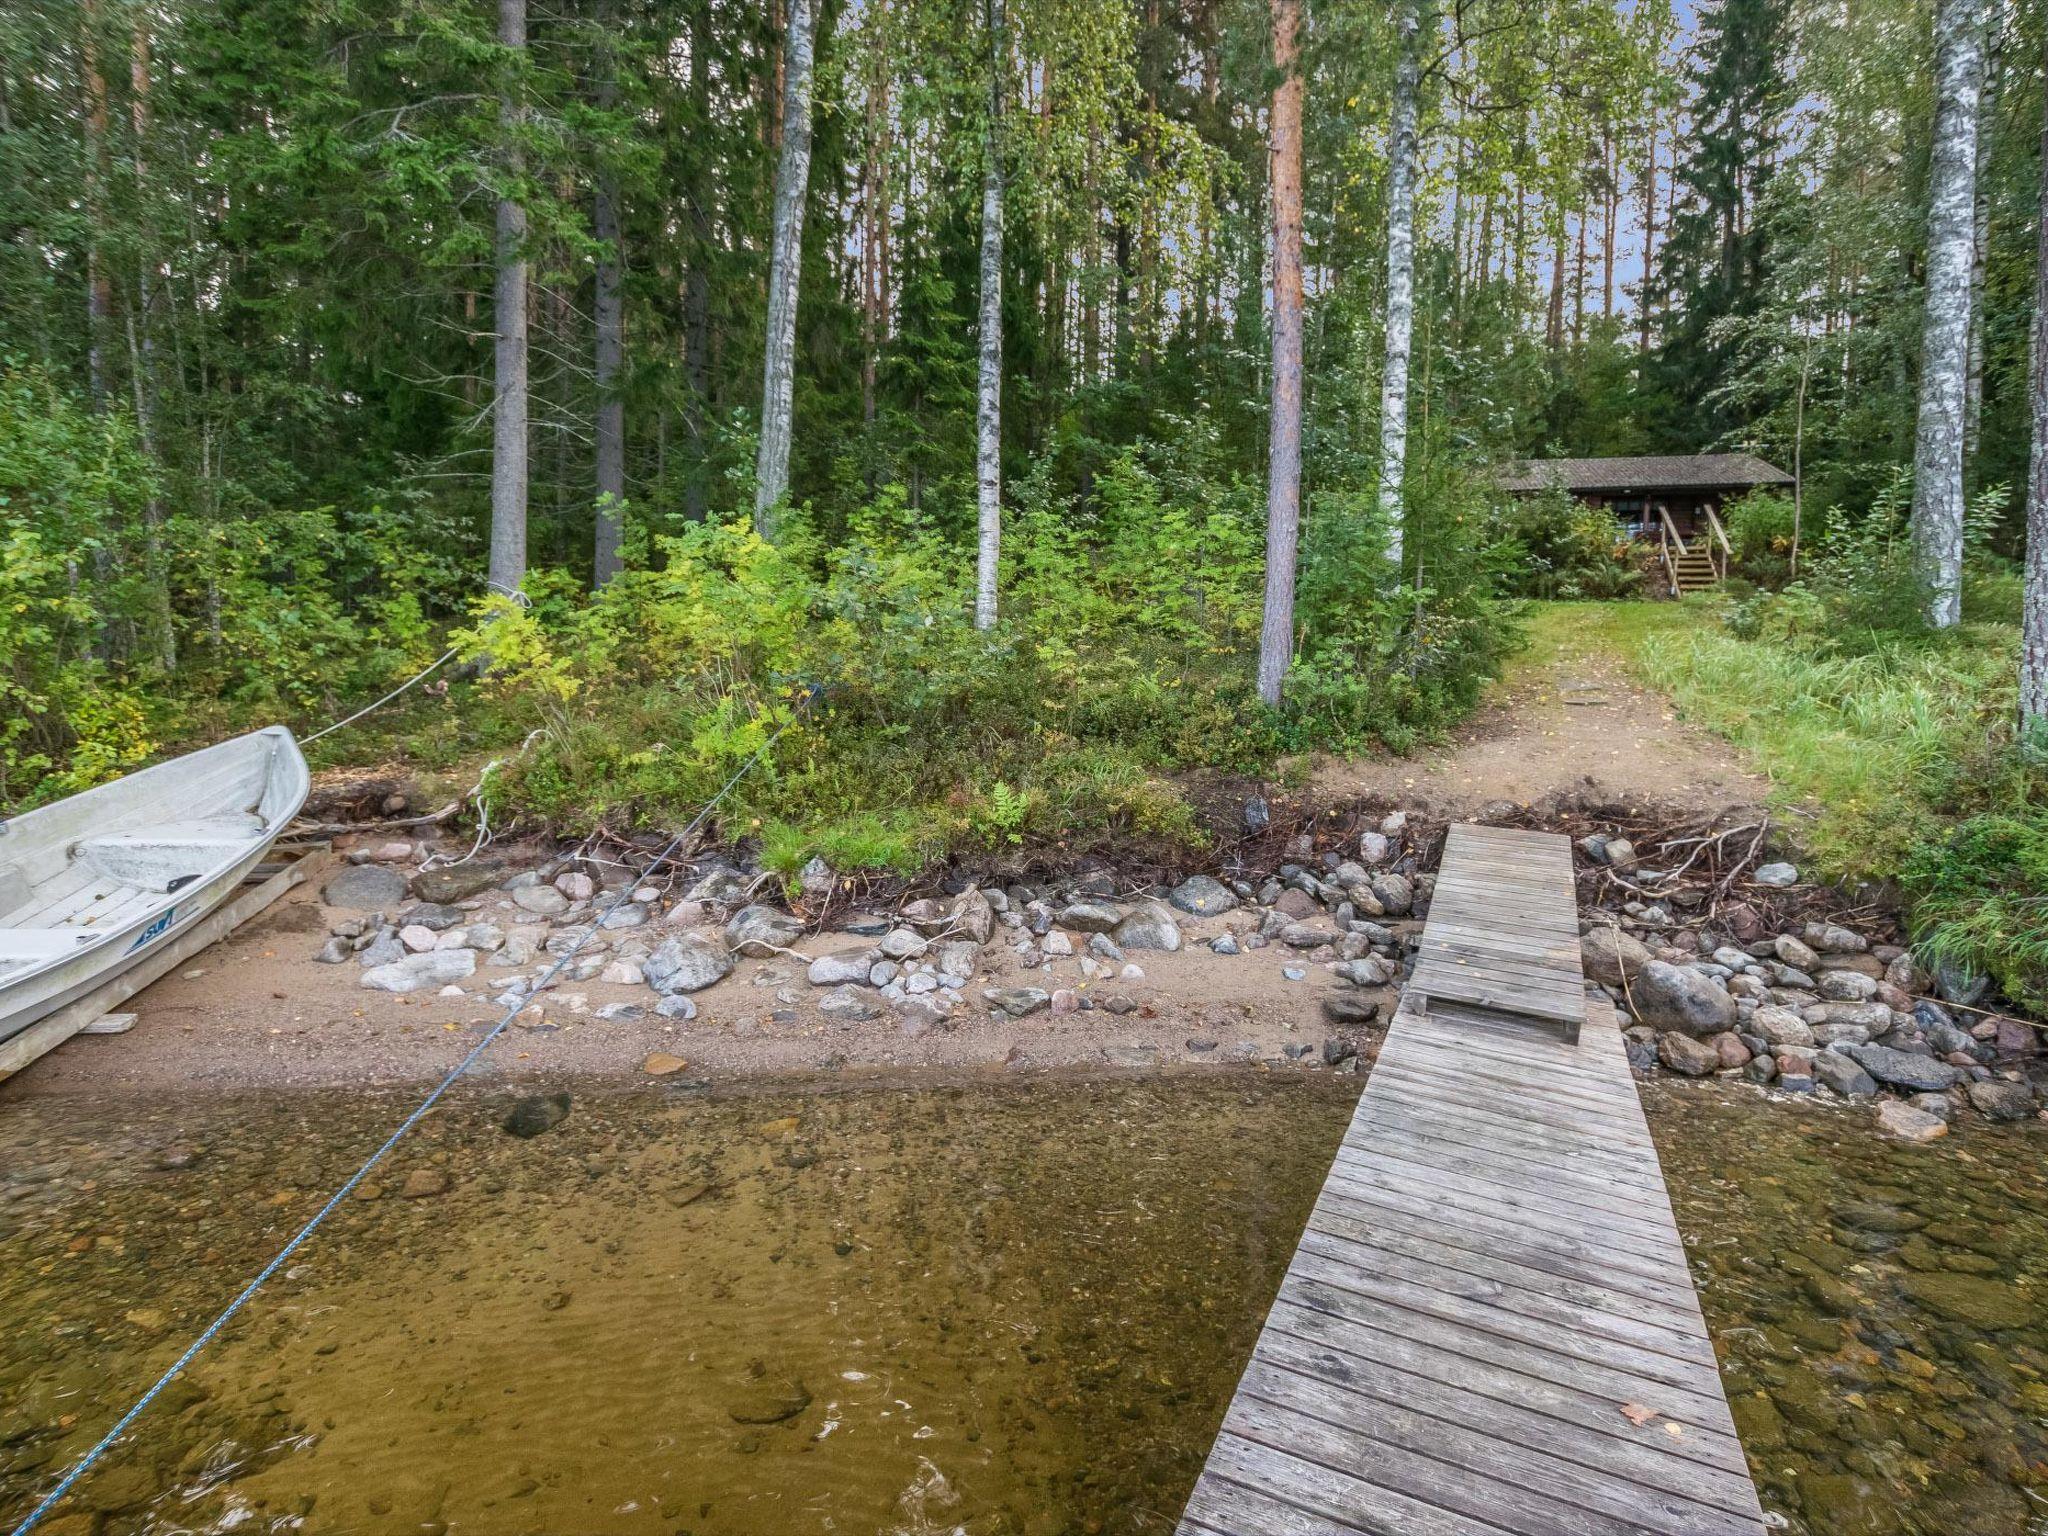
(1715, 255)
(1283, 469)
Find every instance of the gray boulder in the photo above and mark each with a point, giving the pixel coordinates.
(365, 888)
(1847, 986)
(1202, 896)
(1683, 1054)
(1779, 875)
(1394, 893)
(541, 900)
(839, 970)
(759, 930)
(1832, 1069)
(1611, 956)
(1089, 917)
(1997, 1100)
(1019, 1002)
(689, 962)
(1902, 1069)
(432, 916)
(848, 1006)
(1833, 939)
(435, 968)
(1676, 997)
(1148, 926)
(458, 882)
(1781, 1026)
(1350, 1008)
(1795, 953)
(972, 917)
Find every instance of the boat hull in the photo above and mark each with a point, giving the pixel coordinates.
(94, 884)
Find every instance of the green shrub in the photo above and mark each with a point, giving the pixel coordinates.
(1130, 625)
(1568, 548)
(1760, 527)
(1980, 900)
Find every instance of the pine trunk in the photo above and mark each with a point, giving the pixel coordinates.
(1283, 473)
(608, 316)
(989, 406)
(2034, 604)
(508, 408)
(1944, 356)
(1402, 153)
(778, 366)
(697, 279)
(609, 322)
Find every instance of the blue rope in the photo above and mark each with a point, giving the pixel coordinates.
(85, 1463)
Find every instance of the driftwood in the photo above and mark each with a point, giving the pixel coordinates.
(446, 814)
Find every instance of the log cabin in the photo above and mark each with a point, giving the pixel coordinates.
(1672, 501)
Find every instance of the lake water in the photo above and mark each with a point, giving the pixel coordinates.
(1878, 1308)
(1014, 1307)
(1011, 1308)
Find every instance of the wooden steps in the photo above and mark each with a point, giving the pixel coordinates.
(1488, 1326)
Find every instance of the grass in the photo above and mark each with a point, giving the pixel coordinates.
(1893, 751)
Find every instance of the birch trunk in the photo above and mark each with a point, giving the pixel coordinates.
(1944, 356)
(989, 408)
(608, 320)
(785, 263)
(508, 406)
(1980, 246)
(1649, 240)
(1402, 153)
(2034, 605)
(1283, 471)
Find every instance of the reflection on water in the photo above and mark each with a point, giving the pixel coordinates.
(1878, 1308)
(1002, 1308)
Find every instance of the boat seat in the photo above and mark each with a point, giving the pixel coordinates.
(160, 857)
(41, 943)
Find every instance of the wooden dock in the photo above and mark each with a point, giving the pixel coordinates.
(1488, 1326)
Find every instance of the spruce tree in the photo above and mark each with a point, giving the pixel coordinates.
(1716, 254)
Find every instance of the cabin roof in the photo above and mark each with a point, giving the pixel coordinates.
(1656, 472)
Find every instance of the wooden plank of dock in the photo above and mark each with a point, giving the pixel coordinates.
(1499, 935)
(1488, 1326)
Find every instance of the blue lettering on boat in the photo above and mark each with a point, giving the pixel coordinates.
(155, 930)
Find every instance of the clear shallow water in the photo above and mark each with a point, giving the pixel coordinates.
(1012, 1308)
(1878, 1308)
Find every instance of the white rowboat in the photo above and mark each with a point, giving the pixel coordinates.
(89, 884)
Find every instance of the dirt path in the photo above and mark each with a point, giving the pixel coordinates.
(1566, 719)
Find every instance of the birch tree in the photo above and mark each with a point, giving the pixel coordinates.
(785, 263)
(2034, 602)
(989, 406)
(508, 405)
(1283, 470)
(1945, 348)
(1402, 154)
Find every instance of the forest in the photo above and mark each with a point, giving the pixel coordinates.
(1061, 395)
